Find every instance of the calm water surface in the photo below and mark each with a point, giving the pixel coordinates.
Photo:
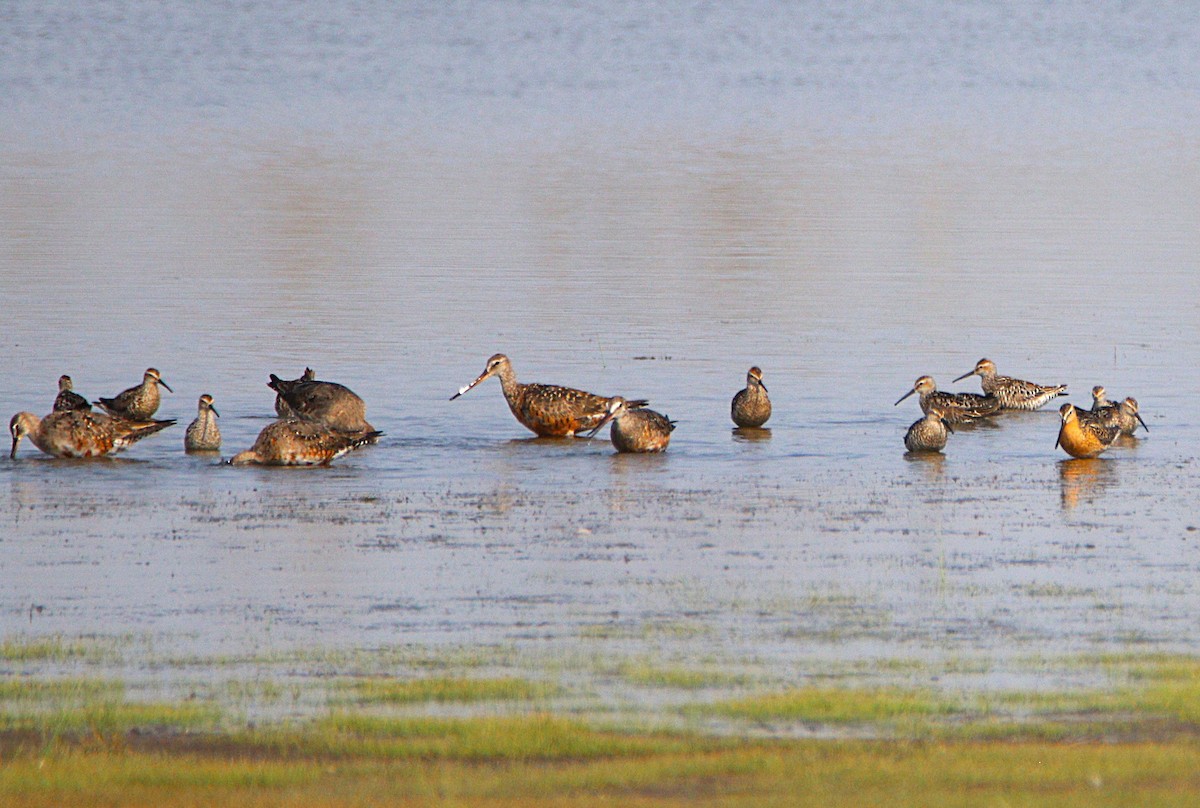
(643, 202)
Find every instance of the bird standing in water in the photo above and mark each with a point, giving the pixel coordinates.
(956, 408)
(334, 405)
(1080, 437)
(79, 433)
(137, 403)
(301, 442)
(203, 434)
(635, 430)
(1123, 414)
(1013, 394)
(929, 434)
(547, 410)
(750, 407)
(67, 398)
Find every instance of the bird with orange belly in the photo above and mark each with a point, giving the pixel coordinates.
(1083, 437)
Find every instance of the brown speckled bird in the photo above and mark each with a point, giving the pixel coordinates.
(635, 430)
(750, 406)
(203, 434)
(1083, 437)
(956, 408)
(546, 409)
(1013, 394)
(929, 433)
(301, 442)
(79, 433)
(67, 399)
(1123, 414)
(137, 403)
(334, 405)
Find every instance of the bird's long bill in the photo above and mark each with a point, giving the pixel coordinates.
(965, 375)
(13, 454)
(164, 384)
(763, 386)
(1138, 416)
(607, 419)
(946, 424)
(214, 410)
(906, 395)
(1058, 439)
(461, 390)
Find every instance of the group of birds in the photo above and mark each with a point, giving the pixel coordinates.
(552, 411)
(319, 421)
(1082, 434)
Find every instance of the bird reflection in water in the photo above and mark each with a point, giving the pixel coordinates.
(1085, 480)
(931, 464)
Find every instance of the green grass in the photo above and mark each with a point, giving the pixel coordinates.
(835, 705)
(645, 672)
(643, 772)
(41, 691)
(445, 689)
(110, 718)
(53, 648)
(80, 742)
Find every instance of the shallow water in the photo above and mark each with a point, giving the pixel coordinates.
(768, 211)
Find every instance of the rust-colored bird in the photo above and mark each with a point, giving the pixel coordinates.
(1083, 437)
(301, 442)
(547, 409)
(79, 433)
(639, 430)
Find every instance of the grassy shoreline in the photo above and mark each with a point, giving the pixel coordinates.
(410, 727)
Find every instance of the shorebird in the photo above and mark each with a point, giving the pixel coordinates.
(137, 403)
(956, 408)
(301, 442)
(1083, 437)
(334, 405)
(67, 399)
(282, 408)
(79, 433)
(635, 430)
(547, 410)
(203, 434)
(1123, 414)
(929, 433)
(1013, 394)
(751, 407)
